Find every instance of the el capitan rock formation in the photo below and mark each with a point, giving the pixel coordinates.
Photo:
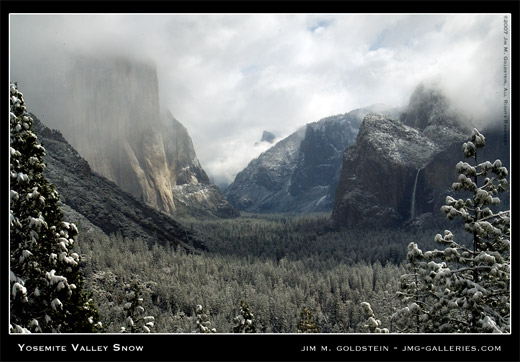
(118, 127)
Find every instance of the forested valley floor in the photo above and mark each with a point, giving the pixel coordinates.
(258, 273)
(278, 264)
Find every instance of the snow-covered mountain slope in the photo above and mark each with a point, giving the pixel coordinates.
(104, 204)
(191, 189)
(263, 184)
(300, 172)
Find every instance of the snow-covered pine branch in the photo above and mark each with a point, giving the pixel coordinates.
(463, 288)
(46, 282)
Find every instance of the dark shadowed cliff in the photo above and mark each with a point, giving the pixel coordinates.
(400, 170)
(104, 203)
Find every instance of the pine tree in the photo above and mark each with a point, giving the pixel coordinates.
(245, 321)
(465, 287)
(373, 325)
(135, 319)
(306, 323)
(415, 287)
(203, 324)
(45, 279)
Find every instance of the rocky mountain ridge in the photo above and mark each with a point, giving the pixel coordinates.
(372, 167)
(299, 173)
(400, 170)
(86, 194)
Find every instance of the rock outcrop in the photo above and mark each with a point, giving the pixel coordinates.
(191, 188)
(401, 170)
(301, 172)
(268, 137)
(117, 126)
(391, 174)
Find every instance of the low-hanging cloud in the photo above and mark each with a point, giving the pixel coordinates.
(229, 77)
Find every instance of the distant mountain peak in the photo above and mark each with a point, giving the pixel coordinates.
(300, 172)
(268, 137)
(429, 106)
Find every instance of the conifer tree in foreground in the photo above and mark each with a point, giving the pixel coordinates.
(136, 321)
(373, 325)
(414, 289)
(307, 324)
(203, 323)
(245, 321)
(466, 286)
(45, 279)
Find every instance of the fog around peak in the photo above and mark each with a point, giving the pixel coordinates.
(227, 78)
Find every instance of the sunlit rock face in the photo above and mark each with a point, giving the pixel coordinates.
(99, 204)
(118, 127)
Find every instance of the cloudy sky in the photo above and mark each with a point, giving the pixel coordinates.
(229, 77)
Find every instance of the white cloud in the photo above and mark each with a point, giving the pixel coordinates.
(229, 77)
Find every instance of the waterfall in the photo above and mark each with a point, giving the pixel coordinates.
(412, 208)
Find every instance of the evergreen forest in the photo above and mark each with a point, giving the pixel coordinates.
(267, 273)
(278, 264)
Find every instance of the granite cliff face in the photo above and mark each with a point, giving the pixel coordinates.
(86, 195)
(191, 188)
(301, 172)
(399, 171)
(117, 126)
(392, 173)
